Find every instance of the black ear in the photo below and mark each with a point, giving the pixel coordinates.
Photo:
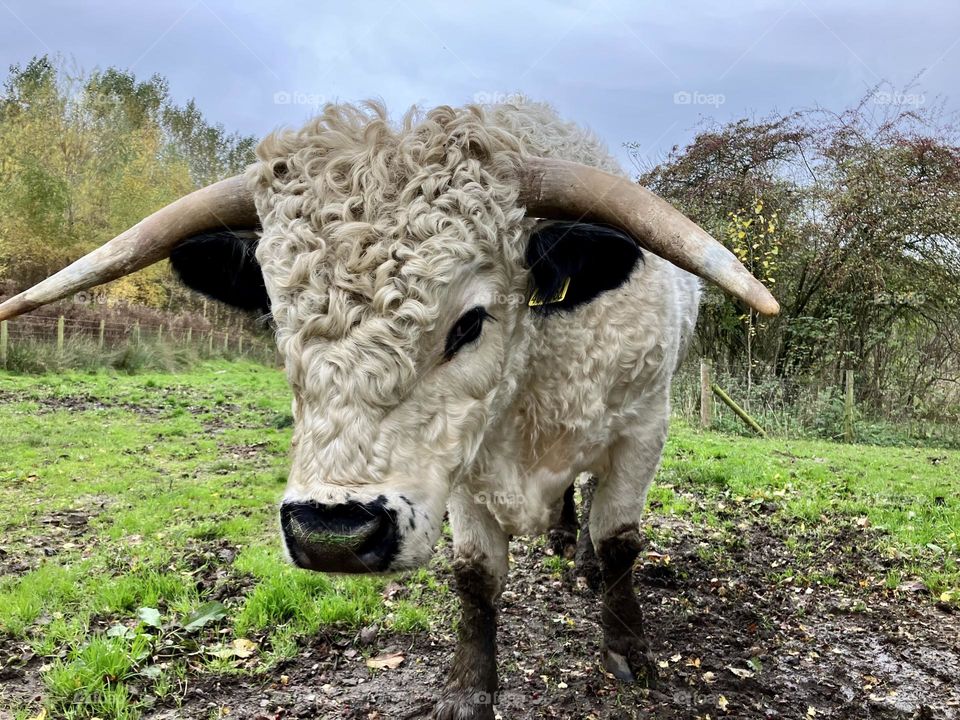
(222, 265)
(595, 258)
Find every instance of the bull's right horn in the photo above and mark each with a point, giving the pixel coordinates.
(225, 204)
(563, 190)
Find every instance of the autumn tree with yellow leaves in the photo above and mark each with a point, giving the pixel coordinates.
(752, 234)
(85, 156)
(853, 216)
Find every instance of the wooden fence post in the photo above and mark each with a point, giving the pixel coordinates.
(189, 334)
(740, 412)
(136, 332)
(210, 342)
(160, 334)
(848, 433)
(4, 337)
(706, 396)
(100, 337)
(226, 341)
(60, 334)
(240, 343)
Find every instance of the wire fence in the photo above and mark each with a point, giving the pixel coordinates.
(784, 407)
(63, 335)
(801, 407)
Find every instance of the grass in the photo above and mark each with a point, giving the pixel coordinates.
(157, 491)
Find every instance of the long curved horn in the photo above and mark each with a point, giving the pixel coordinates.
(227, 203)
(559, 189)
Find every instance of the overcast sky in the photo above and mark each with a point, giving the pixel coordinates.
(646, 71)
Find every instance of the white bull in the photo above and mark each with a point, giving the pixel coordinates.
(448, 348)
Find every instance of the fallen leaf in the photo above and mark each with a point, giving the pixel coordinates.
(239, 648)
(722, 703)
(244, 648)
(915, 586)
(741, 672)
(709, 677)
(387, 660)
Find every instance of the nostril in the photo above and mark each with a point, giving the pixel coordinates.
(348, 537)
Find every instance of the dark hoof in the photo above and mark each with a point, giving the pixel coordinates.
(635, 665)
(459, 705)
(563, 543)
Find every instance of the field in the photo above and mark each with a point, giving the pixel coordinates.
(141, 575)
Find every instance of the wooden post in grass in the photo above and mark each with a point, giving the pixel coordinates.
(706, 397)
(848, 433)
(240, 343)
(101, 335)
(159, 334)
(226, 341)
(60, 335)
(189, 335)
(4, 338)
(741, 413)
(210, 342)
(136, 332)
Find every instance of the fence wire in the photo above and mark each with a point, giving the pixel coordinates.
(111, 335)
(804, 407)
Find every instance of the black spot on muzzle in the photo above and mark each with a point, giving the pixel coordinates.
(352, 537)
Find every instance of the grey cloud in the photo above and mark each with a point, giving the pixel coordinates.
(614, 65)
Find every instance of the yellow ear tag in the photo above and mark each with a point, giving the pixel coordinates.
(537, 301)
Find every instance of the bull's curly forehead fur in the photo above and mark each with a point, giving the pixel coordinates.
(365, 220)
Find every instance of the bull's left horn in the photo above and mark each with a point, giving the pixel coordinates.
(559, 189)
(227, 203)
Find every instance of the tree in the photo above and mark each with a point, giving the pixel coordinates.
(868, 237)
(85, 156)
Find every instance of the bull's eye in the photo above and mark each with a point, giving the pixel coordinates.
(465, 330)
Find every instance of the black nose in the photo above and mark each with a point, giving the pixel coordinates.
(350, 538)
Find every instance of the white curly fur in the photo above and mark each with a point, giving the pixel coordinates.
(376, 238)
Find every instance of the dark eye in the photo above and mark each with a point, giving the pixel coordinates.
(465, 330)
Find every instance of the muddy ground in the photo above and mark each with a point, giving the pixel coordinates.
(755, 617)
(734, 634)
(729, 643)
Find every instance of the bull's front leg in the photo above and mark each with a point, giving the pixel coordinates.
(615, 530)
(479, 569)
